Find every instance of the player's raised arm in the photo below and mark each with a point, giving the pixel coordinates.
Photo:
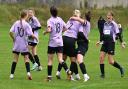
(78, 19)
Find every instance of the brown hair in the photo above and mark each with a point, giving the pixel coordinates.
(23, 13)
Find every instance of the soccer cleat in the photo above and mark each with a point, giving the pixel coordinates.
(86, 78)
(102, 76)
(29, 76)
(49, 79)
(11, 76)
(77, 77)
(35, 65)
(69, 73)
(39, 68)
(122, 72)
(58, 75)
(72, 79)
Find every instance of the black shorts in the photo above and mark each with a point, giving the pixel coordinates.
(82, 48)
(69, 46)
(22, 53)
(52, 50)
(82, 43)
(108, 47)
(32, 44)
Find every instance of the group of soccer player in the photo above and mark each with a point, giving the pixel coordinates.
(62, 41)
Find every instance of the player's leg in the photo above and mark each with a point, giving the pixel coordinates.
(59, 51)
(74, 68)
(115, 64)
(64, 57)
(102, 58)
(27, 65)
(14, 63)
(82, 66)
(81, 50)
(30, 55)
(111, 52)
(72, 55)
(51, 52)
(60, 67)
(49, 67)
(34, 52)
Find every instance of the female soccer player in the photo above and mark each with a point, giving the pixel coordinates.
(69, 39)
(19, 33)
(55, 26)
(110, 32)
(82, 42)
(35, 25)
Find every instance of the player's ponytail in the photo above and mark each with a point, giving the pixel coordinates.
(23, 15)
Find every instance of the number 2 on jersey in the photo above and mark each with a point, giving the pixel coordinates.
(71, 24)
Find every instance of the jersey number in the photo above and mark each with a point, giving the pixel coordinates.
(20, 32)
(71, 24)
(57, 27)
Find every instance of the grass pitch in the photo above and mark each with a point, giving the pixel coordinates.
(112, 80)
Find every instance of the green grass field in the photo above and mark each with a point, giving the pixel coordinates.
(112, 80)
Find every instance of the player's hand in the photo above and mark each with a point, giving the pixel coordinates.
(123, 44)
(99, 43)
(37, 39)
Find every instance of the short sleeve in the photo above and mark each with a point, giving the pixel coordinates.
(29, 30)
(49, 23)
(64, 24)
(13, 28)
(37, 23)
(116, 28)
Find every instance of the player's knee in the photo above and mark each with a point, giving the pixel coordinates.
(101, 58)
(50, 61)
(15, 60)
(64, 57)
(111, 62)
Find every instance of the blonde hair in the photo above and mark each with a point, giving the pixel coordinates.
(77, 13)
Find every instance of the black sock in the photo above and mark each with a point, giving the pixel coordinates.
(37, 59)
(72, 67)
(27, 66)
(49, 70)
(75, 68)
(117, 65)
(102, 69)
(13, 67)
(31, 58)
(64, 65)
(83, 68)
(59, 67)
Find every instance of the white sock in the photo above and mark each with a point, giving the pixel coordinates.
(29, 74)
(50, 76)
(77, 75)
(58, 73)
(67, 70)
